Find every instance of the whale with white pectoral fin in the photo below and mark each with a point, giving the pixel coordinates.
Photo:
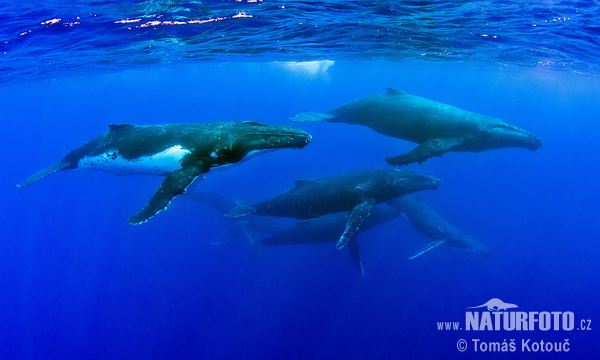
(180, 152)
(435, 227)
(354, 192)
(437, 128)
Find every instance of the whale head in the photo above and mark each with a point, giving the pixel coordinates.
(470, 244)
(406, 182)
(475, 246)
(251, 137)
(504, 135)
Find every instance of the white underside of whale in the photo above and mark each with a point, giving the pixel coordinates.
(161, 163)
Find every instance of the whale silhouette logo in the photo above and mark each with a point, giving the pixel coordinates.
(495, 305)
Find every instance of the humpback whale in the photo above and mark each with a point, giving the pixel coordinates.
(435, 227)
(180, 152)
(355, 192)
(327, 228)
(437, 128)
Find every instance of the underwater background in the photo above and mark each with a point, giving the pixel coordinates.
(77, 281)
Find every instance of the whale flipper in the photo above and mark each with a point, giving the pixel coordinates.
(45, 172)
(357, 215)
(354, 251)
(429, 246)
(174, 184)
(427, 150)
(310, 116)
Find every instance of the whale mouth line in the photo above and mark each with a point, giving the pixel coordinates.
(512, 136)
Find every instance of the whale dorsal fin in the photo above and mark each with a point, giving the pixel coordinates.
(392, 91)
(117, 127)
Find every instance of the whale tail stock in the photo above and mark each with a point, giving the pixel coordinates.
(309, 116)
(45, 172)
(243, 209)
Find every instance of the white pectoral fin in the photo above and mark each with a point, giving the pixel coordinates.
(357, 215)
(429, 246)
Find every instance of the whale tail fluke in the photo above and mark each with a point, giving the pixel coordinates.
(429, 246)
(354, 251)
(309, 116)
(45, 172)
(243, 209)
(252, 240)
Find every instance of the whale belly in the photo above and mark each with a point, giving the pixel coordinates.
(161, 163)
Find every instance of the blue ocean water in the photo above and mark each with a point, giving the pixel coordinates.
(77, 281)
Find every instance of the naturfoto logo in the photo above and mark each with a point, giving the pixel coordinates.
(495, 305)
(498, 318)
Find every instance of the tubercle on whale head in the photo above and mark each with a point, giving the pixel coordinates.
(256, 136)
(408, 182)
